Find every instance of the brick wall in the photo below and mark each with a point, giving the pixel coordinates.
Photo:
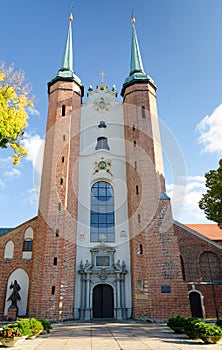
(159, 265)
(192, 247)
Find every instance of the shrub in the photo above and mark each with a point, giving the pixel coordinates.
(23, 326)
(46, 325)
(219, 322)
(35, 326)
(177, 324)
(189, 327)
(9, 331)
(20, 328)
(209, 334)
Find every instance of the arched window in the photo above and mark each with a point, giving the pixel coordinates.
(143, 109)
(102, 143)
(63, 110)
(9, 250)
(27, 244)
(210, 267)
(102, 219)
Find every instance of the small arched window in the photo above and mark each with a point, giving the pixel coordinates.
(9, 250)
(27, 244)
(29, 233)
(63, 110)
(143, 110)
(102, 218)
(102, 143)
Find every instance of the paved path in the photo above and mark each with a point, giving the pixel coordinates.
(114, 336)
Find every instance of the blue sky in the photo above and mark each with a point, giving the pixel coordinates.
(180, 43)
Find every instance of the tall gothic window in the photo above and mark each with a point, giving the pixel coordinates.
(102, 219)
(210, 267)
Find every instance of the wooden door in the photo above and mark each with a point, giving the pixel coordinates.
(103, 301)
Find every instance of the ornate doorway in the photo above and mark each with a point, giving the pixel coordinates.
(196, 304)
(103, 305)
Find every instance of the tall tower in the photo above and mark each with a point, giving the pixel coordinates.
(155, 258)
(59, 187)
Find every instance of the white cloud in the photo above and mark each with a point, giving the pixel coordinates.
(210, 129)
(5, 162)
(34, 145)
(185, 198)
(33, 111)
(12, 172)
(2, 185)
(31, 196)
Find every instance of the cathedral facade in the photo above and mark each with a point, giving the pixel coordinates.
(104, 244)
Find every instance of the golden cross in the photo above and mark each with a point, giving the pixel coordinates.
(102, 74)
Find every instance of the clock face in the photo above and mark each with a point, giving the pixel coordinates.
(102, 164)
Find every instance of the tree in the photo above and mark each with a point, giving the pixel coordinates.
(14, 101)
(211, 202)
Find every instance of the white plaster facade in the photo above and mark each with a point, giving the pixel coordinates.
(91, 116)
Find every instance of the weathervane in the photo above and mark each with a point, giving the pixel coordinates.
(132, 16)
(71, 17)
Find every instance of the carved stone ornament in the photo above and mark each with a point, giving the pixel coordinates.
(101, 104)
(103, 274)
(103, 165)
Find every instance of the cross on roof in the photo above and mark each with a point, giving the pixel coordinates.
(102, 74)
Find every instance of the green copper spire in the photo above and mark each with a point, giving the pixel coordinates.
(67, 61)
(136, 65)
(66, 72)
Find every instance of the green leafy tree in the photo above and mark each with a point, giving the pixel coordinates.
(211, 202)
(14, 101)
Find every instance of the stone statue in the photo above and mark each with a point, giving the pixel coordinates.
(15, 296)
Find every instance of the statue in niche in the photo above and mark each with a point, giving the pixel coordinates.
(15, 296)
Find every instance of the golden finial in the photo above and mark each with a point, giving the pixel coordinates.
(71, 17)
(133, 20)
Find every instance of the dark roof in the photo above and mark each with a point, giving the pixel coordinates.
(4, 230)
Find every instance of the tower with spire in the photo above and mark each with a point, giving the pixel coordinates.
(58, 201)
(154, 249)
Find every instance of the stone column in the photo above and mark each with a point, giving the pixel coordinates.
(118, 299)
(87, 308)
